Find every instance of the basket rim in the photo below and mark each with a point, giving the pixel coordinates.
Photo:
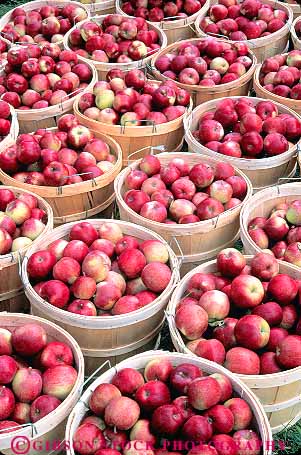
(257, 161)
(199, 88)
(280, 99)
(259, 380)
(80, 369)
(113, 321)
(263, 194)
(16, 255)
(121, 129)
(168, 24)
(119, 182)
(253, 43)
(209, 367)
(111, 174)
(99, 65)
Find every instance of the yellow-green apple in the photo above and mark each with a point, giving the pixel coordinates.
(96, 265)
(19, 211)
(27, 384)
(5, 342)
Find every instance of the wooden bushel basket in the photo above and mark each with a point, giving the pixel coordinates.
(50, 428)
(103, 68)
(193, 241)
(262, 172)
(261, 92)
(261, 204)
(266, 46)
(36, 4)
(295, 39)
(175, 29)
(295, 7)
(201, 94)
(80, 200)
(33, 119)
(100, 7)
(279, 393)
(11, 288)
(134, 138)
(139, 362)
(106, 338)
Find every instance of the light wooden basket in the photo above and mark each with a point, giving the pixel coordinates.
(296, 9)
(139, 362)
(79, 200)
(261, 204)
(11, 288)
(103, 68)
(176, 29)
(100, 6)
(52, 427)
(262, 172)
(201, 94)
(261, 92)
(269, 45)
(135, 138)
(36, 4)
(295, 39)
(194, 242)
(106, 338)
(47, 117)
(279, 393)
